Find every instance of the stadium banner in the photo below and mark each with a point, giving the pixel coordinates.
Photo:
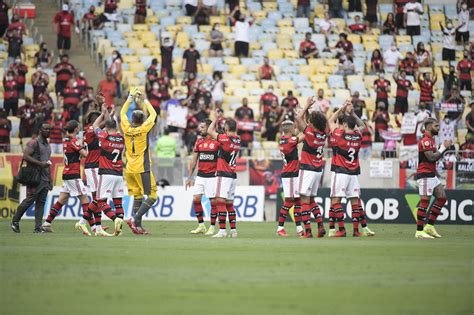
(398, 205)
(465, 175)
(174, 204)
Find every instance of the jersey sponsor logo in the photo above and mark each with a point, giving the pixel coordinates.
(204, 157)
(211, 146)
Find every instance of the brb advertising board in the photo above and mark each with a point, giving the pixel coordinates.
(400, 205)
(174, 204)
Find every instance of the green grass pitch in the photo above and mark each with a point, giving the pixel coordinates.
(173, 272)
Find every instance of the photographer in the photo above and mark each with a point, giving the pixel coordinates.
(37, 155)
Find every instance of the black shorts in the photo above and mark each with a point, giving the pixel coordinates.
(465, 85)
(64, 42)
(216, 46)
(413, 30)
(371, 18)
(399, 19)
(401, 105)
(383, 100)
(141, 12)
(241, 49)
(449, 54)
(60, 86)
(190, 10)
(462, 36)
(167, 72)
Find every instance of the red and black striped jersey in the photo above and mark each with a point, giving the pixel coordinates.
(312, 152)
(56, 134)
(72, 96)
(229, 147)
(403, 86)
(426, 90)
(382, 88)
(93, 150)
(346, 146)
(207, 156)
(366, 138)
(289, 154)
(425, 167)
(111, 148)
(72, 158)
(10, 88)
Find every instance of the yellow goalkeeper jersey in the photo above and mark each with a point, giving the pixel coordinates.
(137, 149)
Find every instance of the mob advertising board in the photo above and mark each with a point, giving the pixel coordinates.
(174, 204)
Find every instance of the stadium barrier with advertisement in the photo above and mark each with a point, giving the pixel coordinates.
(399, 205)
(174, 204)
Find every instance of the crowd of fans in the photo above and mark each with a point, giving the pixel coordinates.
(197, 96)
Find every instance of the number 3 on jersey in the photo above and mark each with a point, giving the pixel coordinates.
(351, 153)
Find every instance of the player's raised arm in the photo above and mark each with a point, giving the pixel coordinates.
(99, 122)
(332, 120)
(359, 121)
(212, 129)
(301, 117)
(150, 121)
(124, 123)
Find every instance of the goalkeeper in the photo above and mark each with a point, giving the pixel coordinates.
(138, 175)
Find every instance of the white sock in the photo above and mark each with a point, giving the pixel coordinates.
(222, 231)
(280, 228)
(98, 228)
(47, 224)
(93, 228)
(201, 224)
(233, 230)
(82, 221)
(299, 228)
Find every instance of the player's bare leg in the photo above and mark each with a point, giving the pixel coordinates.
(198, 210)
(53, 212)
(222, 214)
(435, 210)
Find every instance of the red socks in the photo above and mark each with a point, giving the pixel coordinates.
(232, 214)
(421, 214)
(306, 217)
(213, 212)
(105, 208)
(339, 216)
(198, 210)
(332, 218)
(222, 213)
(297, 211)
(435, 210)
(285, 209)
(316, 213)
(118, 207)
(54, 211)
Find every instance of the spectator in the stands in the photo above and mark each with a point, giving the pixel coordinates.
(191, 7)
(358, 104)
(203, 111)
(389, 27)
(290, 101)
(232, 4)
(116, 69)
(462, 31)
(366, 145)
(381, 119)
(371, 12)
(355, 6)
(449, 44)
(335, 9)
(108, 88)
(376, 62)
(409, 65)
(4, 7)
(155, 97)
(40, 81)
(421, 114)
(202, 15)
(211, 6)
(391, 58)
(19, 71)
(450, 80)
(15, 42)
(191, 59)
(5, 129)
(345, 66)
(10, 94)
(87, 102)
(65, 22)
(400, 15)
(176, 102)
(26, 113)
(189, 83)
(166, 49)
(265, 72)
(217, 37)
(321, 104)
(44, 103)
(458, 99)
(151, 74)
(110, 9)
(326, 25)
(245, 127)
(467, 150)
(413, 10)
(401, 99)
(17, 25)
(217, 88)
(303, 8)
(465, 67)
(140, 11)
(382, 89)
(43, 57)
(56, 135)
(88, 19)
(241, 34)
(64, 72)
(266, 101)
(82, 83)
(358, 27)
(271, 121)
(426, 88)
(422, 55)
(344, 46)
(308, 48)
(71, 100)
